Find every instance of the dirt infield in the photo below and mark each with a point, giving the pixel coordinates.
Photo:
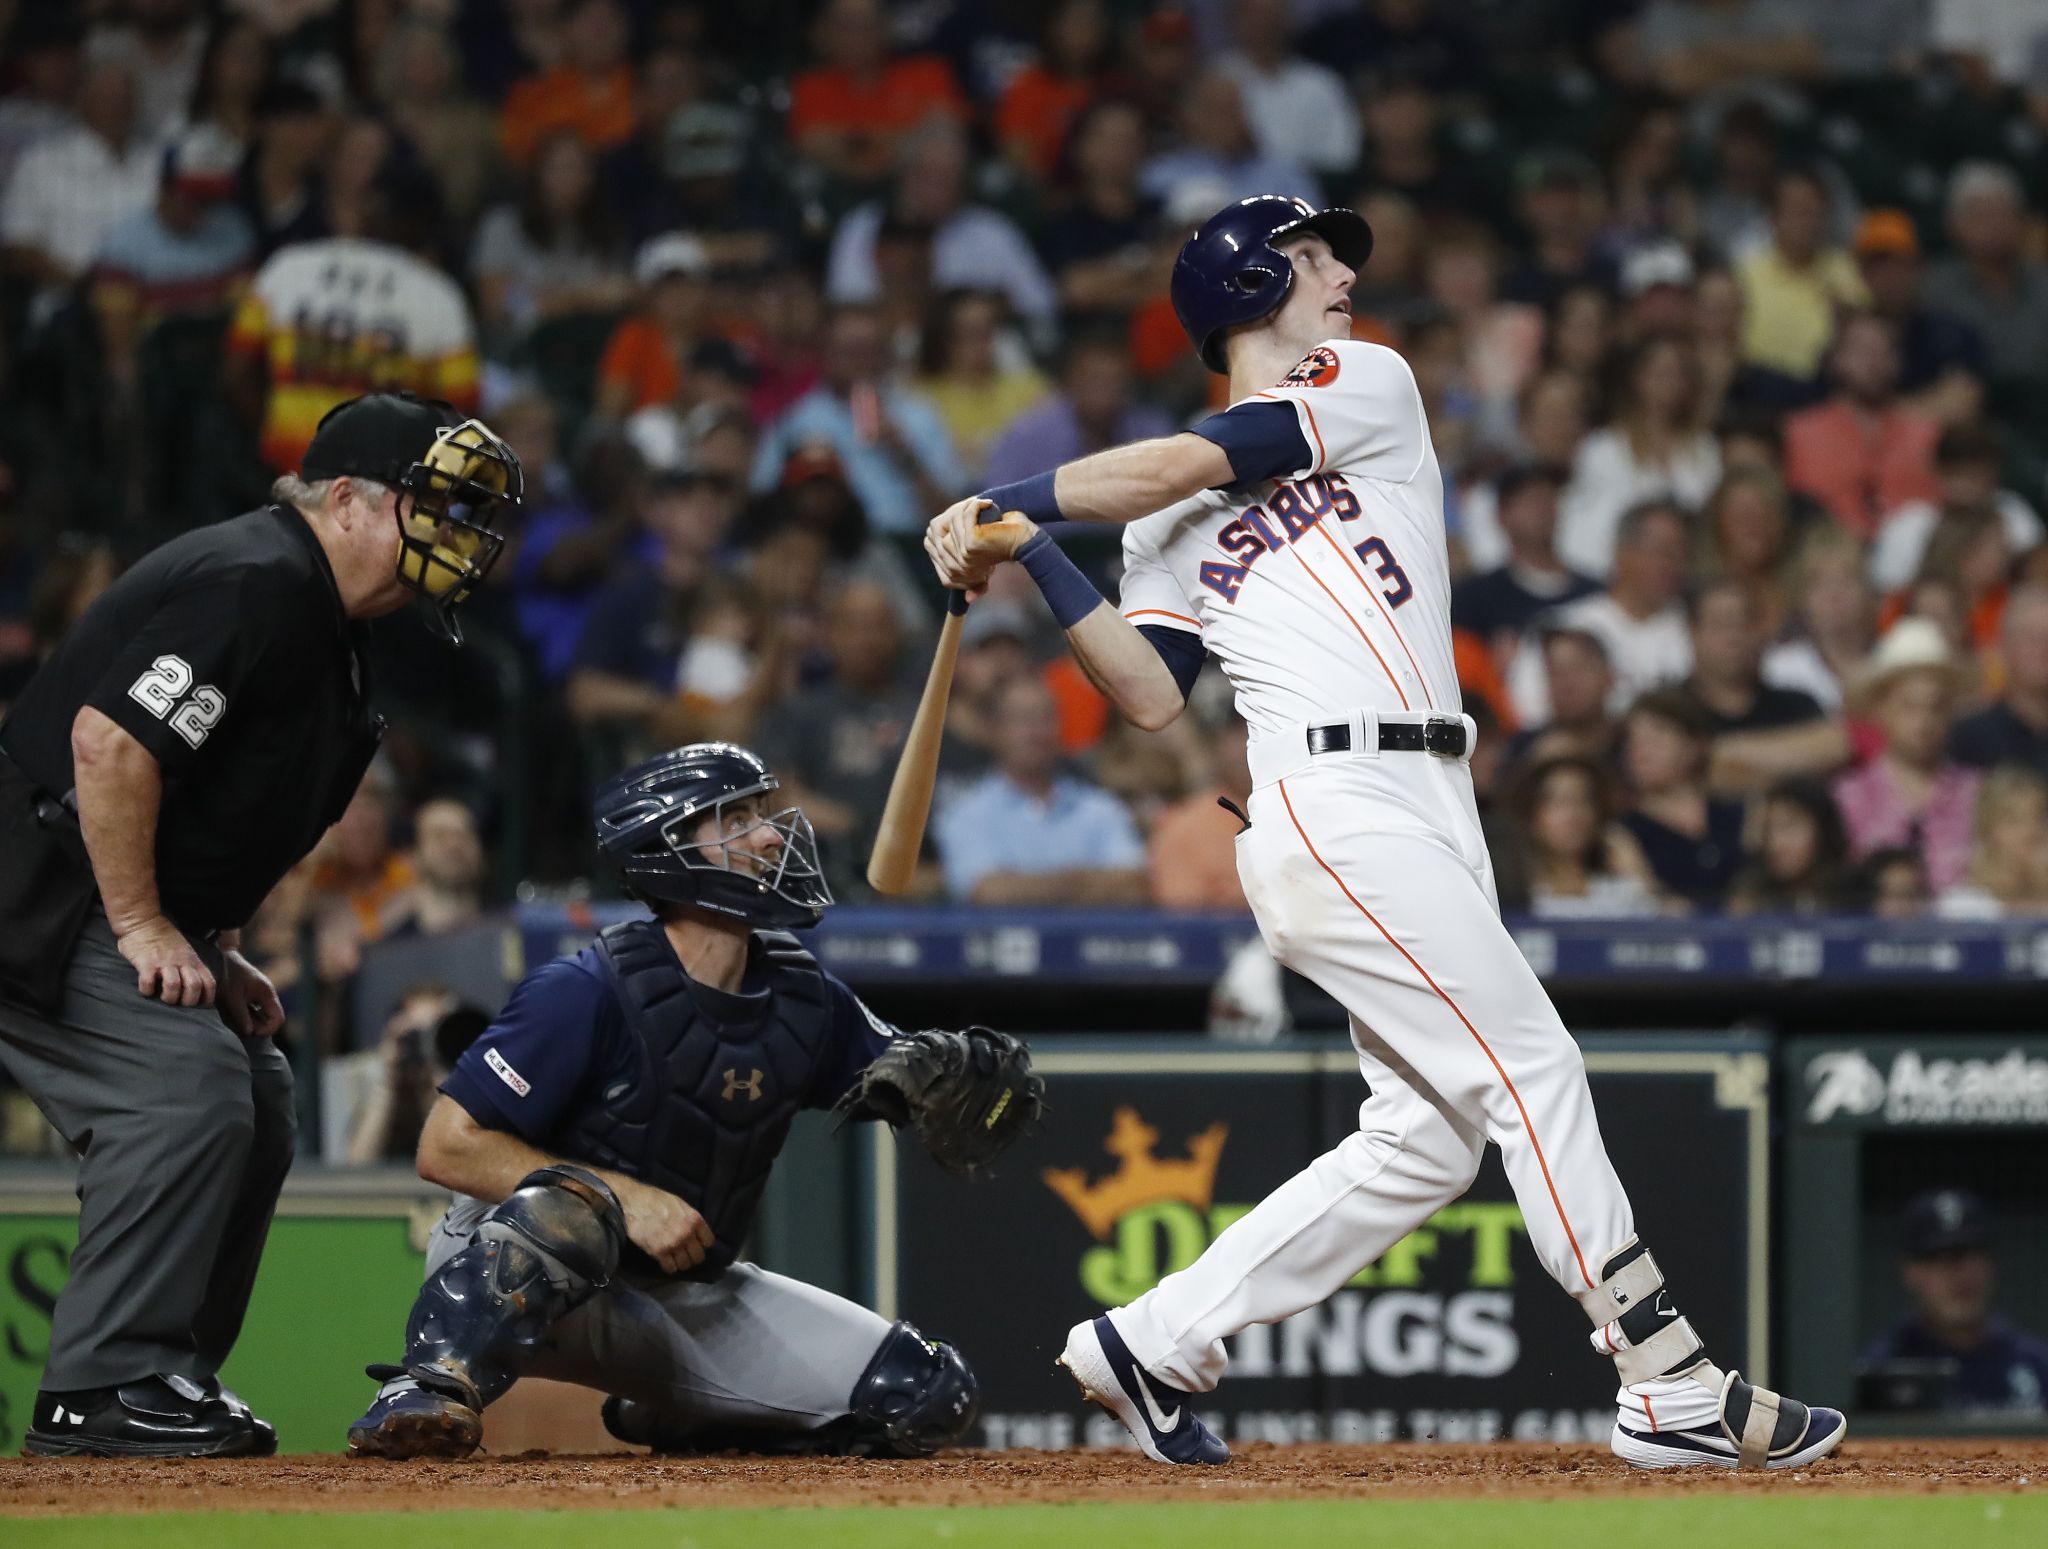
(317, 1483)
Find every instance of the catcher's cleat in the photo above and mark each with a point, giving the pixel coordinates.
(1754, 1428)
(1160, 1418)
(416, 1422)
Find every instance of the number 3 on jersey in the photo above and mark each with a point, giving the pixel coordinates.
(1375, 553)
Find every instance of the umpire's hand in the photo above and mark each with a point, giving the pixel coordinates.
(166, 967)
(248, 1000)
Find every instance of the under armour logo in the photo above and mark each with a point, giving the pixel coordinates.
(751, 1086)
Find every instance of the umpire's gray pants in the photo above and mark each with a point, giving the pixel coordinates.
(184, 1132)
(751, 1349)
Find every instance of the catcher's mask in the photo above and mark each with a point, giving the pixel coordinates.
(694, 826)
(457, 483)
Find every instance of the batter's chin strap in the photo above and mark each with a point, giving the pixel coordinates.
(1635, 1322)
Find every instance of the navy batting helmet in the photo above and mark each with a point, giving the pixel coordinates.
(648, 822)
(1231, 272)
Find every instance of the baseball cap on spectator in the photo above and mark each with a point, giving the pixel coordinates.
(721, 357)
(1946, 1221)
(673, 252)
(706, 139)
(1886, 234)
(813, 460)
(1517, 477)
(1556, 168)
(201, 164)
(1654, 264)
(1168, 26)
(995, 618)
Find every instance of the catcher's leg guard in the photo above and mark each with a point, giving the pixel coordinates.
(916, 1396)
(547, 1248)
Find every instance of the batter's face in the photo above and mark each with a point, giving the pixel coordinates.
(1318, 307)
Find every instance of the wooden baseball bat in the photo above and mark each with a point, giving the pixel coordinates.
(900, 835)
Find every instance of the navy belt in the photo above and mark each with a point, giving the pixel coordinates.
(1441, 735)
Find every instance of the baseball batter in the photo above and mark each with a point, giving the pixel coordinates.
(1298, 537)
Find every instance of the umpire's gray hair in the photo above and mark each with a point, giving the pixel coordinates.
(1973, 178)
(291, 490)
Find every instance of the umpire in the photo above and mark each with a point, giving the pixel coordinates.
(187, 744)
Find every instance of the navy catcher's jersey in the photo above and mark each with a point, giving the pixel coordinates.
(562, 1039)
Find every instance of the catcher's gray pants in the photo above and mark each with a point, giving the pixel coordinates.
(751, 1348)
(184, 1133)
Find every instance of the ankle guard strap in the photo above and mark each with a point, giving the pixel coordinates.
(1636, 1323)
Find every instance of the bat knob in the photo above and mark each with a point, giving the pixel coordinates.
(956, 602)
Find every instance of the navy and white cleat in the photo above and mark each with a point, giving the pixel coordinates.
(1161, 1418)
(1757, 1429)
(415, 1422)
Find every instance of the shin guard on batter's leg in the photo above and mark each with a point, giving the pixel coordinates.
(544, 1251)
(1677, 1408)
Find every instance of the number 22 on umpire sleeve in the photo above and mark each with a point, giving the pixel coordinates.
(159, 690)
(1375, 553)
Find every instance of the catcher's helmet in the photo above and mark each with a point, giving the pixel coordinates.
(1230, 272)
(647, 822)
(456, 481)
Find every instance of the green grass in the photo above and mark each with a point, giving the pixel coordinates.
(1674, 1522)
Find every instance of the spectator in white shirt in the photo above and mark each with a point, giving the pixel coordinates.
(1216, 159)
(163, 43)
(1296, 108)
(1967, 463)
(1638, 618)
(69, 190)
(42, 84)
(973, 247)
(1655, 449)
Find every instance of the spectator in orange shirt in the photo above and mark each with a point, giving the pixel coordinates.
(1043, 99)
(360, 878)
(1191, 855)
(1860, 454)
(848, 112)
(643, 363)
(589, 92)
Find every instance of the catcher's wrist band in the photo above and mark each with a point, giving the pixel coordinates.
(1070, 594)
(1032, 496)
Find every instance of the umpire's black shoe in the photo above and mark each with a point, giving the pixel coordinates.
(158, 1417)
(266, 1433)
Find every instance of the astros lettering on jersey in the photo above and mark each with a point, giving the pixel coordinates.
(1329, 589)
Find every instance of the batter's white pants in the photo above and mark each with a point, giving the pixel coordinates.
(1369, 875)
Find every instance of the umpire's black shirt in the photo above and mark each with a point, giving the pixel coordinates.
(226, 653)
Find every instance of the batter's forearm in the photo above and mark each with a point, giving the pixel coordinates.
(1124, 667)
(120, 789)
(1128, 482)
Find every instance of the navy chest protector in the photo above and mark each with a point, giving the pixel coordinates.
(708, 1109)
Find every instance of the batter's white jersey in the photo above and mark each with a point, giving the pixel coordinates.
(1327, 590)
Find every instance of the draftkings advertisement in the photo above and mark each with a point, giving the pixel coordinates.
(1455, 1334)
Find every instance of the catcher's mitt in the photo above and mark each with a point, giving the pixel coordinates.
(968, 1095)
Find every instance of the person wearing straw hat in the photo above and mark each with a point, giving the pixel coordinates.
(1909, 793)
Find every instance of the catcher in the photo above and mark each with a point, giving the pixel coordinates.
(609, 1136)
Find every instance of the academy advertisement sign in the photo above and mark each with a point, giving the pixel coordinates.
(1456, 1333)
(1915, 1083)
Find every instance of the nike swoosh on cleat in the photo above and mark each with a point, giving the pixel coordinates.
(1160, 1418)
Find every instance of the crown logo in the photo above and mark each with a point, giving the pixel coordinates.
(1142, 1178)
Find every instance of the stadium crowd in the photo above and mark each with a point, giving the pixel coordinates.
(1731, 317)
